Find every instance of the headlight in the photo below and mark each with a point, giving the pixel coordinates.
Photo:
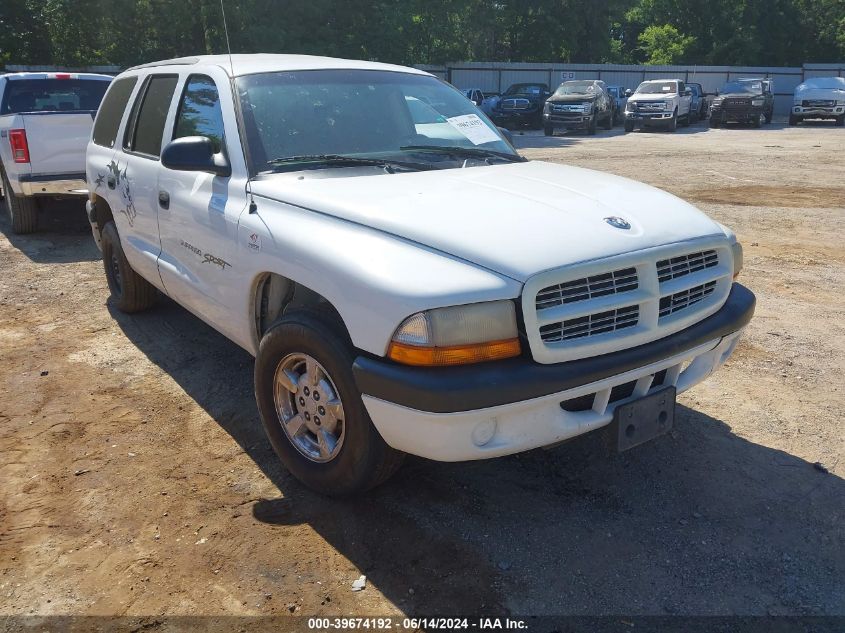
(458, 335)
(757, 102)
(547, 108)
(718, 100)
(630, 106)
(736, 249)
(840, 102)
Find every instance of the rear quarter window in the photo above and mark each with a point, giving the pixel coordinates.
(111, 111)
(151, 105)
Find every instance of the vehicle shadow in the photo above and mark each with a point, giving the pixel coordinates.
(700, 521)
(63, 236)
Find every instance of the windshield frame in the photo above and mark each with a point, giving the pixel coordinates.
(586, 82)
(747, 87)
(255, 167)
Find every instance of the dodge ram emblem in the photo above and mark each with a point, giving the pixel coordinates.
(617, 222)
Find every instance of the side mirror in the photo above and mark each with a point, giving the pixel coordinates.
(195, 153)
(629, 92)
(507, 134)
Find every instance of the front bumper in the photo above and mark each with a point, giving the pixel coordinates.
(53, 185)
(823, 112)
(570, 121)
(515, 117)
(494, 409)
(653, 118)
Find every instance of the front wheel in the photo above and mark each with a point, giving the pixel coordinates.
(548, 130)
(608, 124)
(22, 210)
(673, 122)
(757, 121)
(312, 410)
(591, 128)
(714, 122)
(769, 116)
(840, 121)
(129, 291)
(629, 126)
(793, 120)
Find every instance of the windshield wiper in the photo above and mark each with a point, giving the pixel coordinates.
(464, 152)
(339, 160)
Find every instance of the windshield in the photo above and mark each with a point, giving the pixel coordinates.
(751, 87)
(53, 95)
(525, 89)
(658, 87)
(364, 114)
(576, 88)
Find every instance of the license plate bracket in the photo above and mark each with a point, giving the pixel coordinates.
(644, 419)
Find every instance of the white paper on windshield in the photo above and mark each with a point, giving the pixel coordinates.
(471, 126)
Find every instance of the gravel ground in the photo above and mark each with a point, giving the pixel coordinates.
(137, 480)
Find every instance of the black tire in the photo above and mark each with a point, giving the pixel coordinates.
(673, 122)
(129, 291)
(591, 129)
(548, 130)
(364, 459)
(629, 126)
(757, 121)
(714, 122)
(769, 116)
(840, 121)
(608, 124)
(793, 120)
(22, 210)
(686, 120)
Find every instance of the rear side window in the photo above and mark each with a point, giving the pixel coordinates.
(53, 95)
(199, 111)
(111, 111)
(151, 106)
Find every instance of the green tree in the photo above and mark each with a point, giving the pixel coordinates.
(664, 44)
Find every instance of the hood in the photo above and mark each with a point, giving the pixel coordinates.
(572, 98)
(813, 94)
(517, 219)
(661, 96)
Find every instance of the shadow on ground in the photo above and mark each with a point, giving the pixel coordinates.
(700, 521)
(63, 235)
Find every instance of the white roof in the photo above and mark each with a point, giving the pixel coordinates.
(266, 62)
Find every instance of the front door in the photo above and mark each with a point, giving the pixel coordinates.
(199, 211)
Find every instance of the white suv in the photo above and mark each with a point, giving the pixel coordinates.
(406, 286)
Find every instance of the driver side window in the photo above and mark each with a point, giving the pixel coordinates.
(199, 111)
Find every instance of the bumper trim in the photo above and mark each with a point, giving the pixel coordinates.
(455, 389)
(53, 184)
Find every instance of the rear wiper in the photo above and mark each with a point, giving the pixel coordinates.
(339, 160)
(465, 152)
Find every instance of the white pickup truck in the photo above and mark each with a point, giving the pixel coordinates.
(45, 124)
(819, 98)
(661, 103)
(405, 286)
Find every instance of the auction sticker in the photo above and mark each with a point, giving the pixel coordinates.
(471, 126)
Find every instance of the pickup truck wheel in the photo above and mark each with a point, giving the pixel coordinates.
(608, 124)
(629, 126)
(840, 121)
(769, 116)
(714, 122)
(548, 130)
(793, 120)
(22, 211)
(312, 411)
(129, 291)
(673, 122)
(757, 121)
(591, 128)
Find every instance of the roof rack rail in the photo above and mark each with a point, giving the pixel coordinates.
(179, 61)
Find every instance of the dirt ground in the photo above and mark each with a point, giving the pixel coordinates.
(136, 479)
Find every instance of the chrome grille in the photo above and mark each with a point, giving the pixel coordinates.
(685, 298)
(515, 104)
(588, 288)
(675, 267)
(591, 324)
(817, 103)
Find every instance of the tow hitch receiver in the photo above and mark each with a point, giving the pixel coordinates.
(644, 419)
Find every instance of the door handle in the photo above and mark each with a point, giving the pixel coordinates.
(111, 182)
(164, 199)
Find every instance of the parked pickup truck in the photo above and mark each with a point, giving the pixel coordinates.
(579, 105)
(819, 98)
(659, 102)
(743, 101)
(521, 105)
(45, 123)
(403, 289)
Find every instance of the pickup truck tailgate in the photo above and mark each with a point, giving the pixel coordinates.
(57, 141)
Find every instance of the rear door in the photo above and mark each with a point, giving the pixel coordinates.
(133, 174)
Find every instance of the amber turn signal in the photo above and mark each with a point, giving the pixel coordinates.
(454, 355)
